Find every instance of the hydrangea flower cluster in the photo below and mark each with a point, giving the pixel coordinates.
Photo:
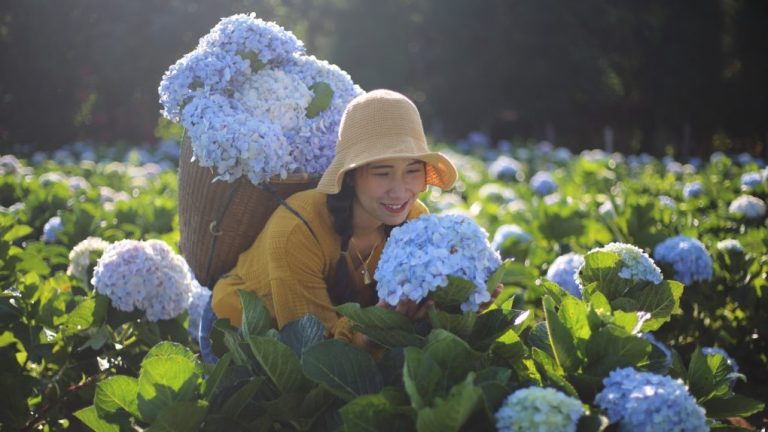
(643, 401)
(688, 257)
(538, 409)
(80, 256)
(748, 207)
(146, 275)
(563, 271)
(199, 298)
(543, 183)
(505, 168)
(730, 245)
(751, 180)
(421, 254)
(508, 232)
(667, 201)
(52, 227)
(636, 264)
(243, 96)
(496, 193)
(692, 190)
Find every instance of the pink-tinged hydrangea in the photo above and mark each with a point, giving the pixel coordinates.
(636, 265)
(543, 183)
(646, 402)
(51, 229)
(199, 299)
(563, 271)
(144, 275)
(688, 257)
(747, 207)
(81, 256)
(539, 409)
(421, 254)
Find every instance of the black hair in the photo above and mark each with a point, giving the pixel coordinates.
(340, 207)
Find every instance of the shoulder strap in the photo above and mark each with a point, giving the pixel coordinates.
(268, 187)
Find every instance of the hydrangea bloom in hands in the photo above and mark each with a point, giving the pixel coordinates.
(538, 409)
(688, 257)
(421, 254)
(146, 275)
(643, 401)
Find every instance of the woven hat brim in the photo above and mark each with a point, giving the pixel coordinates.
(440, 171)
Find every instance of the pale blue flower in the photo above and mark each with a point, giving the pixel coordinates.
(667, 201)
(563, 271)
(692, 190)
(540, 410)
(496, 193)
(747, 207)
(52, 227)
(607, 210)
(510, 232)
(646, 402)
(421, 254)
(199, 299)
(506, 168)
(543, 183)
(751, 180)
(688, 257)
(730, 245)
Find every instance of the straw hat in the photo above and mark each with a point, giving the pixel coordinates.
(383, 124)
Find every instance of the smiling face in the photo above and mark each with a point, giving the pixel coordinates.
(385, 191)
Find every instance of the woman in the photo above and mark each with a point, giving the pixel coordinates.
(323, 248)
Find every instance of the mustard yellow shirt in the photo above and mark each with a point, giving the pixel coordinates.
(288, 268)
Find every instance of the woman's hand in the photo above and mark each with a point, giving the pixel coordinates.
(494, 296)
(409, 308)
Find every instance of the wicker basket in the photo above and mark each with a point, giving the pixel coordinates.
(220, 220)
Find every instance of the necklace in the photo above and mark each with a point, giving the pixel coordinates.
(367, 279)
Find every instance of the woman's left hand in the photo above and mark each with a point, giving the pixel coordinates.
(494, 296)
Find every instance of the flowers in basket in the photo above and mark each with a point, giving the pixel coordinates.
(253, 104)
(421, 256)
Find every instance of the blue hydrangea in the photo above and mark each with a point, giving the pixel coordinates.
(421, 254)
(734, 374)
(496, 193)
(646, 402)
(538, 409)
(507, 232)
(667, 201)
(730, 245)
(506, 168)
(199, 299)
(751, 180)
(52, 227)
(543, 183)
(636, 265)
(144, 275)
(688, 257)
(563, 271)
(243, 34)
(692, 190)
(747, 207)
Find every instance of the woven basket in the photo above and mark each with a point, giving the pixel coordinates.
(220, 220)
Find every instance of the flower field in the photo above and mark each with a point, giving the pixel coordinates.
(635, 298)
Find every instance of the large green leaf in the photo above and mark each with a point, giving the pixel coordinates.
(240, 398)
(493, 323)
(421, 377)
(390, 338)
(164, 380)
(374, 316)
(560, 338)
(613, 347)
(734, 406)
(451, 296)
(117, 392)
(661, 301)
(302, 333)
(181, 416)
(170, 349)
(573, 314)
(603, 269)
(279, 362)
(453, 355)
(80, 318)
(552, 372)
(91, 418)
(212, 382)
(451, 413)
(708, 375)
(387, 410)
(509, 347)
(458, 324)
(342, 368)
(256, 319)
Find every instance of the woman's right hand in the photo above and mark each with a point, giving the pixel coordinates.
(409, 308)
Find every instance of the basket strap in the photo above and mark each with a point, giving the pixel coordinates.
(215, 222)
(268, 187)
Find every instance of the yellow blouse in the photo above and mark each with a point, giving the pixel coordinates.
(288, 268)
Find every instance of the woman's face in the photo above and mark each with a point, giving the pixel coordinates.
(386, 190)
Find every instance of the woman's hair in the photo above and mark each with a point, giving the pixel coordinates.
(340, 206)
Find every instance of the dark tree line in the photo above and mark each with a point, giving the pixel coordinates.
(684, 75)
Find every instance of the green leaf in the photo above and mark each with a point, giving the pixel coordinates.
(210, 384)
(613, 347)
(661, 301)
(451, 296)
(374, 316)
(390, 338)
(17, 232)
(384, 411)
(80, 318)
(491, 324)
(552, 371)
(164, 380)
(256, 318)
(734, 406)
(117, 392)
(421, 377)
(573, 314)
(625, 320)
(241, 397)
(498, 275)
(342, 368)
(279, 362)
(170, 349)
(603, 269)
(302, 333)
(509, 347)
(321, 100)
(592, 423)
(453, 355)
(181, 416)
(91, 418)
(708, 375)
(560, 339)
(451, 413)
(459, 324)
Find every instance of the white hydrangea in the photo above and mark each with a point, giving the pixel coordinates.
(751, 180)
(80, 256)
(730, 245)
(607, 210)
(276, 96)
(421, 254)
(496, 193)
(146, 275)
(747, 206)
(636, 265)
(539, 409)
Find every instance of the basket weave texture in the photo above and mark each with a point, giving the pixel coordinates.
(219, 220)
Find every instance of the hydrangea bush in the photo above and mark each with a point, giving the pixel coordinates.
(144, 275)
(747, 207)
(538, 409)
(543, 183)
(421, 254)
(688, 257)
